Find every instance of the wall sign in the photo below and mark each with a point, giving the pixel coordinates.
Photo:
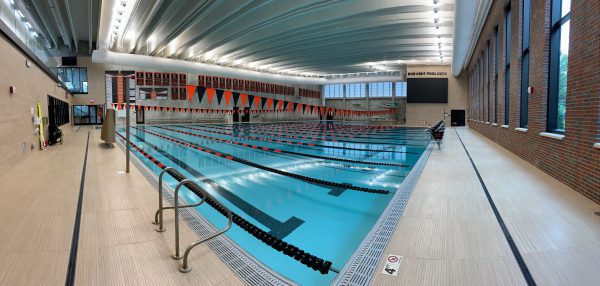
(392, 264)
(429, 73)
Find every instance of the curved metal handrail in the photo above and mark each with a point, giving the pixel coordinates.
(158, 216)
(185, 266)
(176, 206)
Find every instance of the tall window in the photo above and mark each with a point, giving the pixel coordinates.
(379, 89)
(559, 59)
(507, 33)
(496, 74)
(354, 90)
(481, 86)
(525, 64)
(401, 89)
(487, 74)
(334, 91)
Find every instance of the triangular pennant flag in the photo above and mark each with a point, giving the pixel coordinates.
(236, 96)
(210, 92)
(285, 105)
(314, 109)
(250, 100)
(244, 98)
(219, 96)
(269, 103)
(277, 103)
(256, 101)
(303, 108)
(262, 102)
(191, 89)
(295, 106)
(227, 97)
(201, 91)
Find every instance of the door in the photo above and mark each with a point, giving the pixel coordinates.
(246, 115)
(139, 116)
(87, 114)
(236, 115)
(457, 117)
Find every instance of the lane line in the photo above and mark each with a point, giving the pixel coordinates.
(513, 246)
(70, 280)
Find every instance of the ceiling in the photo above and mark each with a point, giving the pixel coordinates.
(64, 24)
(300, 37)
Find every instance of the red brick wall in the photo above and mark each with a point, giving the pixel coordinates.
(573, 160)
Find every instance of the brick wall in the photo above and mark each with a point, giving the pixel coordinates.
(572, 160)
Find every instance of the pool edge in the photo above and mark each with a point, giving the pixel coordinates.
(247, 268)
(361, 267)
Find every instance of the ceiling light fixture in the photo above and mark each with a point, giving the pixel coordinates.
(20, 14)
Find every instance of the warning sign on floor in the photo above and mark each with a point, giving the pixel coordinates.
(392, 264)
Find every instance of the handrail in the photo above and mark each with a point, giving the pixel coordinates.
(158, 216)
(184, 266)
(176, 206)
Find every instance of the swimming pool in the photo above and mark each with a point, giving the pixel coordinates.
(319, 187)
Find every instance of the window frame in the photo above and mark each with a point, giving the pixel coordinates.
(556, 25)
(525, 64)
(507, 46)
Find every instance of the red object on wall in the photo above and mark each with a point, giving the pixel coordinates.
(208, 81)
(157, 78)
(148, 78)
(174, 93)
(182, 93)
(174, 79)
(235, 84)
(182, 79)
(166, 79)
(215, 82)
(139, 76)
(201, 80)
(228, 84)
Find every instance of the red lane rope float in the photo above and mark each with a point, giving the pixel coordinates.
(304, 257)
(284, 151)
(293, 143)
(262, 167)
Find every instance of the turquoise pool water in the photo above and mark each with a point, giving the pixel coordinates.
(319, 217)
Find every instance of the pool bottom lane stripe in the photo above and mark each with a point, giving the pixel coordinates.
(70, 280)
(290, 250)
(278, 229)
(513, 247)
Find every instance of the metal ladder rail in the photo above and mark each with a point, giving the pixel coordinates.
(158, 216)
(184, 267)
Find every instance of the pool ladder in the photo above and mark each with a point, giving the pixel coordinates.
(158, 216)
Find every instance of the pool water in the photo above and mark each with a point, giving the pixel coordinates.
(319, 217)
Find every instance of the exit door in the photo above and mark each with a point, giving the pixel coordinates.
(457, 117)
(139, 116)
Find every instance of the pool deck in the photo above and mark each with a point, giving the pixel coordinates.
(448, 234)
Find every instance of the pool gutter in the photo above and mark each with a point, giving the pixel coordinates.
(362, 265)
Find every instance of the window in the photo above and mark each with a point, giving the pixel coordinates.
(58, 111)
(496, 74)
(401, 89)
(380, 89)
(487, 74)
(559, 59)
(73, 78)
(507, 33)
(354, 90)
(525, 64)
(481, 81)
(334, 91)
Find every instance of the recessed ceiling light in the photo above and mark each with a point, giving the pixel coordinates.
(20, 14)
(28, 25)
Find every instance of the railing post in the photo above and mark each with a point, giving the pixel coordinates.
(177, 255)
(158, 216)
